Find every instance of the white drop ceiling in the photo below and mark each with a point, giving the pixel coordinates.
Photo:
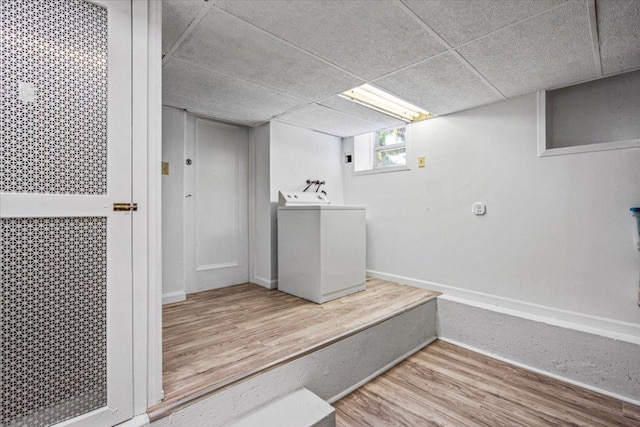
(249, 62)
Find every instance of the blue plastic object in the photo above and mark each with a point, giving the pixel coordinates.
(636, 212)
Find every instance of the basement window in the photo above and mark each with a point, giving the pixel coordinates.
(390, 148)
(381, 151)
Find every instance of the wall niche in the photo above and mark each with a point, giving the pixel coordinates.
(598, 115)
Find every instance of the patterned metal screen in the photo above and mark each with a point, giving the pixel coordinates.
(53, 102)
(54, 307)
(53, 139)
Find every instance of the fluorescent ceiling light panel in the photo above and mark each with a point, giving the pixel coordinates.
(385, 103)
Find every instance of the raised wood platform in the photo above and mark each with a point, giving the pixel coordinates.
(447, 385)
(220, 337)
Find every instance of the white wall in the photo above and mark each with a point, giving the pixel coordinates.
(557, 239)
(297, 154)
(173, 145)
(260, 239)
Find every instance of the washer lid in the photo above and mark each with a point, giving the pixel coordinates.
(302, 198)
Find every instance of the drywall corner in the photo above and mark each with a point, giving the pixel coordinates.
(173, 146)
(260, 235)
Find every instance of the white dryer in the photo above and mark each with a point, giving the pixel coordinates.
(321, 247)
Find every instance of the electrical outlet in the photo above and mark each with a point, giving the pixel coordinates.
(421, 161)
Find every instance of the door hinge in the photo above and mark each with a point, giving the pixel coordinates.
(125, 207)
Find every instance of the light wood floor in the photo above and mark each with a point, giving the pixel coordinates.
(445, 385)
(217, 337)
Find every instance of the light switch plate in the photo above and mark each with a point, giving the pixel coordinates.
(165, 168)
(421, 161)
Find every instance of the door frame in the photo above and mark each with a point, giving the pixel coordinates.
(147, 192)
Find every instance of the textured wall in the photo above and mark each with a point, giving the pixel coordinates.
(260, 229)
(557, 237)
(295, 155)
(600, 362)
(173, 143)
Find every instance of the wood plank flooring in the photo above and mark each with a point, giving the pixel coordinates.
(445, 385)
(220, 336)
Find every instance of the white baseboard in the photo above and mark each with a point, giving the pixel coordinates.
(598, 363)
(602, 326)
(173, 297)
(269, 284)
(541, 372)
(380, 371)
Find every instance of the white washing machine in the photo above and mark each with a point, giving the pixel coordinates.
(321, 247)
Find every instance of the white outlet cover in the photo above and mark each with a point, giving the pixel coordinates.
(479, 208)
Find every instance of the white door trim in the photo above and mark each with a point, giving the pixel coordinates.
(146, 191)
(154, 200)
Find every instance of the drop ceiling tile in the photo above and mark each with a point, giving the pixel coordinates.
(227, 44)
(440, 85)
(460, 21)
(351, 108)
(619, 34)
(217, 95)
(176, 17)
(366, 38)
(551, 50)
(326, 120)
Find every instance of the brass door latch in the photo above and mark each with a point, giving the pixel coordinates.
(125, 207)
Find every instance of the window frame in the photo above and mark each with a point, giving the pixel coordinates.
(375, 148)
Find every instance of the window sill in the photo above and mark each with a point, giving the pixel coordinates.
(381, 170)
(588, 148)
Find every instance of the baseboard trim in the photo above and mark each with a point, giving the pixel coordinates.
(541, 372)
(602, 326)
(380, 371)
(587, 360)
(172, 297)
(266, 283)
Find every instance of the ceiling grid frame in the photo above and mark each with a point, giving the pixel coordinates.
(593, 23)
(190, 28)
(448, 48)
(267, 27)
(291, 44)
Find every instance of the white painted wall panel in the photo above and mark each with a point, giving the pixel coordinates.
(261, 237)
(557, 234)
(173, 139)
(297, 154)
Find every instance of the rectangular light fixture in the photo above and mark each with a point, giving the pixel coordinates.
(383, 102)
